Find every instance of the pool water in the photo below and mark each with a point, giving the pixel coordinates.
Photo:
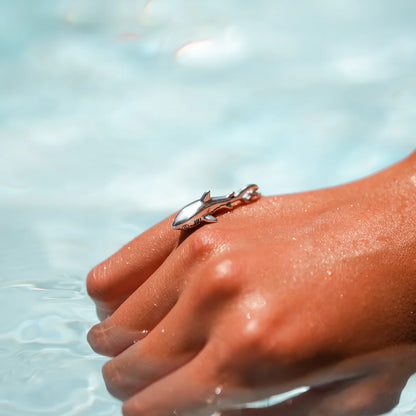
(116, 113)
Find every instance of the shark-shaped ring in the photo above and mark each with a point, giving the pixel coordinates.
(201, 210)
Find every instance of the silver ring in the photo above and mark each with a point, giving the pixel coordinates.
(201, 210)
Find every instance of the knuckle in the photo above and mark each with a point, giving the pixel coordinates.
(202, 243)
(252, 355)
(287, 338)
(242, 362)
(255, 326)
(217, 282)
(253, 339)
(224, 276)
(246, 344)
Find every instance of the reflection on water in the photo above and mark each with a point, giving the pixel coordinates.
(370, 384)
(114, 114)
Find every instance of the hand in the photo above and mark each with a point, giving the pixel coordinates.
(289, 291)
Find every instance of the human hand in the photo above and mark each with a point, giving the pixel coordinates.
(289, 291)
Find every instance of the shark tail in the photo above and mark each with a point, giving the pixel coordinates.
(248, 192)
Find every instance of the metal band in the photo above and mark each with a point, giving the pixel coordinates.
(202, 209)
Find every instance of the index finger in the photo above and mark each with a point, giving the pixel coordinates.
(112, 281)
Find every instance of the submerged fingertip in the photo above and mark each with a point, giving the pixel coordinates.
(95, 338)
(130, 408)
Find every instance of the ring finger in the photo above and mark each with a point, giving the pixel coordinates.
(171, 344)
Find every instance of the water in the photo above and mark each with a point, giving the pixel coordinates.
(114, 114)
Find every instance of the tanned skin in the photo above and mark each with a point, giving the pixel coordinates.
(312, 289)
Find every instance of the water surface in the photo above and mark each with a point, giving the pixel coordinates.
(115, 113)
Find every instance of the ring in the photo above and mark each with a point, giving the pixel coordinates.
(202, 209)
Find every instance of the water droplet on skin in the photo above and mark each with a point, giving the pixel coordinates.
(251, 326)
(329, 273)
(143, 333)
(218, 390)
(294, 238)
(163, 331)
(224, 268)
(248, 316)
(254, 301)
(128, 248)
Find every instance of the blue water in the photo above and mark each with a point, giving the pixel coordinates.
(115, 113)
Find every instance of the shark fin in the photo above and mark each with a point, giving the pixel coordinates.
(210, 218)
(206, 196)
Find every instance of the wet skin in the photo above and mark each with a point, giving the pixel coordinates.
(312, 289)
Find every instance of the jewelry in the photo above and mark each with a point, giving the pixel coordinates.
(200, 210)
